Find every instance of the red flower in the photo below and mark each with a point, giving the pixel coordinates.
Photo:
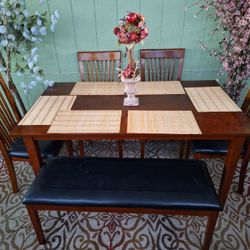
(131, 28)
(116, 30)
(133, 37)
(123, 37)
(131, 17)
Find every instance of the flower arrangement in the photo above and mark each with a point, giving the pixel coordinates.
(233, 18)
(132, 29)
(20, 34)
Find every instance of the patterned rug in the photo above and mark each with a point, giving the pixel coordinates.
(72, 230)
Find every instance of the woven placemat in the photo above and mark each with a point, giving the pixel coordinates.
(87, 121)
(162, 122)
(45, 109)
(211, 99)
(160, 88)
(115, 88)
(97, 88)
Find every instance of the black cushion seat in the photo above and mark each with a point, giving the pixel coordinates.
(48, 149)
(129, 183)
(210, 147)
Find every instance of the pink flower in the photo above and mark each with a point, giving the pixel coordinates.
(141, 24)
(144, 33)
(233, 49)
(128, 72)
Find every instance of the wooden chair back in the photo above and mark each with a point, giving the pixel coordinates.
(9, 113)
(161, 64)
(99, 66)
(246, 105)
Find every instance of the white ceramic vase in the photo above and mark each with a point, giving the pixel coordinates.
(130, 90)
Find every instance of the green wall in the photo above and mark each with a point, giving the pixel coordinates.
(88, 25)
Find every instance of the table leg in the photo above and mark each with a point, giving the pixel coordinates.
(233, 155)
(34, 153)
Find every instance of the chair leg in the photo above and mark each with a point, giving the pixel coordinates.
(211, 222)
(188, 149)
(142, 149)
(243, 170)
(34, 217)
(184, 149)
(120, 148)
(12, 174)
(10, 167)
(69, 148)
(81, 148)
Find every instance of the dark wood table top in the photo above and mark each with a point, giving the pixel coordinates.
(214, 125)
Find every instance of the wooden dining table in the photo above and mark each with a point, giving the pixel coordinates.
(191, 114)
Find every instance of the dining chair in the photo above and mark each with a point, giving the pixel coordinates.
(162, 65)
(213, 149)
(14, 149)
(99, 66)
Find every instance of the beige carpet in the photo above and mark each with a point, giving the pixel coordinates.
(121, 231)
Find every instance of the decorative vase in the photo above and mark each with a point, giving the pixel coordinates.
(131, 30)
(130, 90)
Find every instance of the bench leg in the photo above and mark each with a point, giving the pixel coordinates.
(34, 217)
(211, 222)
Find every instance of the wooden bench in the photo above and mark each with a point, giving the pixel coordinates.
(150, 186)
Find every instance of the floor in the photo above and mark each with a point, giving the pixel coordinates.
(110, 231)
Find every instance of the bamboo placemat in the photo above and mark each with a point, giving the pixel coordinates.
(115, 88)
(211, 99)
(162, 122)
(87, 121)
(45, 109)
(160, 88)
(97, 88)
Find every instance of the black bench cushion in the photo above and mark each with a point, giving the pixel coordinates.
(210, 147)
(106, 182)
(48, 149)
